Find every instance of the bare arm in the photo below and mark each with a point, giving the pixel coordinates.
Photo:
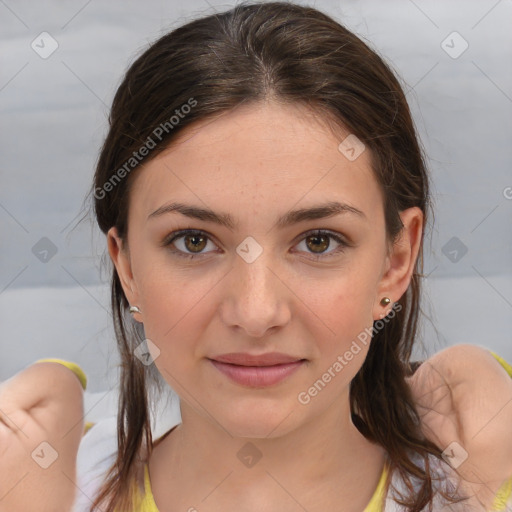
(41, 425)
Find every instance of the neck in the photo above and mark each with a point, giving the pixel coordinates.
(323, 463)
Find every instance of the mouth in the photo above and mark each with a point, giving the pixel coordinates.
(245, 359)
(257, 373)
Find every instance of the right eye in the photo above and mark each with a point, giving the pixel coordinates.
(192, 240)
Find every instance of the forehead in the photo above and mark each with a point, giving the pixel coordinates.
(260, 159)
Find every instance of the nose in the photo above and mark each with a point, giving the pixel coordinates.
(256, 299)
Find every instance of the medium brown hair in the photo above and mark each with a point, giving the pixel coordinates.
(297, 55)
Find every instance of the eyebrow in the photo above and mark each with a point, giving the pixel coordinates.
(293, 217)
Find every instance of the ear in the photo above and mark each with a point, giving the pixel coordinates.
(400, 262)
(121, 258)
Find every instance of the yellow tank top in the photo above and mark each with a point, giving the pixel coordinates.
(146, 503)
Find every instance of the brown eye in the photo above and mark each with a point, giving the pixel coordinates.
(192, 243)
(195, 243)
(319, 243)
(188, 243)
(315, 243)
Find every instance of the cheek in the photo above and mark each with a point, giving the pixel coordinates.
(343, 340)
(176, 310)
(344, 307)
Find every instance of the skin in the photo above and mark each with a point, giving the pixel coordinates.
(41, 404)
(257, 163)
(462, 393)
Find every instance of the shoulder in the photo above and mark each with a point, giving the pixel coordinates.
(464, 398)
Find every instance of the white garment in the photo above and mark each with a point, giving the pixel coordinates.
(96, 454)
(98, 448)
(438, 468)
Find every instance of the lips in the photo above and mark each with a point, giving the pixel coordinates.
(268, 359)
(257, 371)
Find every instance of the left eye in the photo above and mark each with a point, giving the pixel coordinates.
(193, 243)
(321, 240)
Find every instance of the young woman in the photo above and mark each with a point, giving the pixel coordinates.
(264, 198)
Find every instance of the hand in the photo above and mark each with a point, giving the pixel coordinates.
(41, 424)
(464, 396)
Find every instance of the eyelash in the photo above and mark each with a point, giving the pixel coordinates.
(195, 232)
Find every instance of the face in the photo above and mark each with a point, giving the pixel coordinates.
(262, 280)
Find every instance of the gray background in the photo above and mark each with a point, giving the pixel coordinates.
(53, 120)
